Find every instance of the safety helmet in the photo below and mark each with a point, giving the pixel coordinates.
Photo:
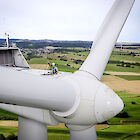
(53, 64)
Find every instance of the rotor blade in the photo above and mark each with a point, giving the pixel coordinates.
(106, 38)
(37, 114)
(17, 87)
(86, 134)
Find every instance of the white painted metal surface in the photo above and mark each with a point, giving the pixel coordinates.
(12, 56)
(107, 37)
(107, 104)
(36, 114)
(86, 134)
(34, 91)
(31, 130)
(19, 59)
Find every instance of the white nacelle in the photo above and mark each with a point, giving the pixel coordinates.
(98, 102)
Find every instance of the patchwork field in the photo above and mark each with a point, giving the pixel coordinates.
(70, 59)
(126, 83)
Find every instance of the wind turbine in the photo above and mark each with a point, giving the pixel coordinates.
(79, 100)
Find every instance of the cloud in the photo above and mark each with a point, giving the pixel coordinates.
(58, 19)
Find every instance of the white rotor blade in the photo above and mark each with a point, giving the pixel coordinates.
(106, 38)
(36, 114)
(25, 89)
(86, 134)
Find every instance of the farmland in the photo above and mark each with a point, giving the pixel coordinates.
(130, 77)
(117, 132)
(70, 59)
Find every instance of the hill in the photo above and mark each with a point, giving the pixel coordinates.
(26, 43)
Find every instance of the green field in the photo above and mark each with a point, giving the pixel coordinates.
(129, 77)
(70, 59)
(62, 65)
(6, 131)
(117, 132)
(5, 115)
(125, 58)
(113, 67)
(132, 108)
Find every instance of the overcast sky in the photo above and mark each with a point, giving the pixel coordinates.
(62, 19)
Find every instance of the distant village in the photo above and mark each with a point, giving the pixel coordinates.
(38, 51)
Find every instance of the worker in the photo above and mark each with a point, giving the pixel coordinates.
(54, 69)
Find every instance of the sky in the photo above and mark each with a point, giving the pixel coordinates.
(62, 19)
